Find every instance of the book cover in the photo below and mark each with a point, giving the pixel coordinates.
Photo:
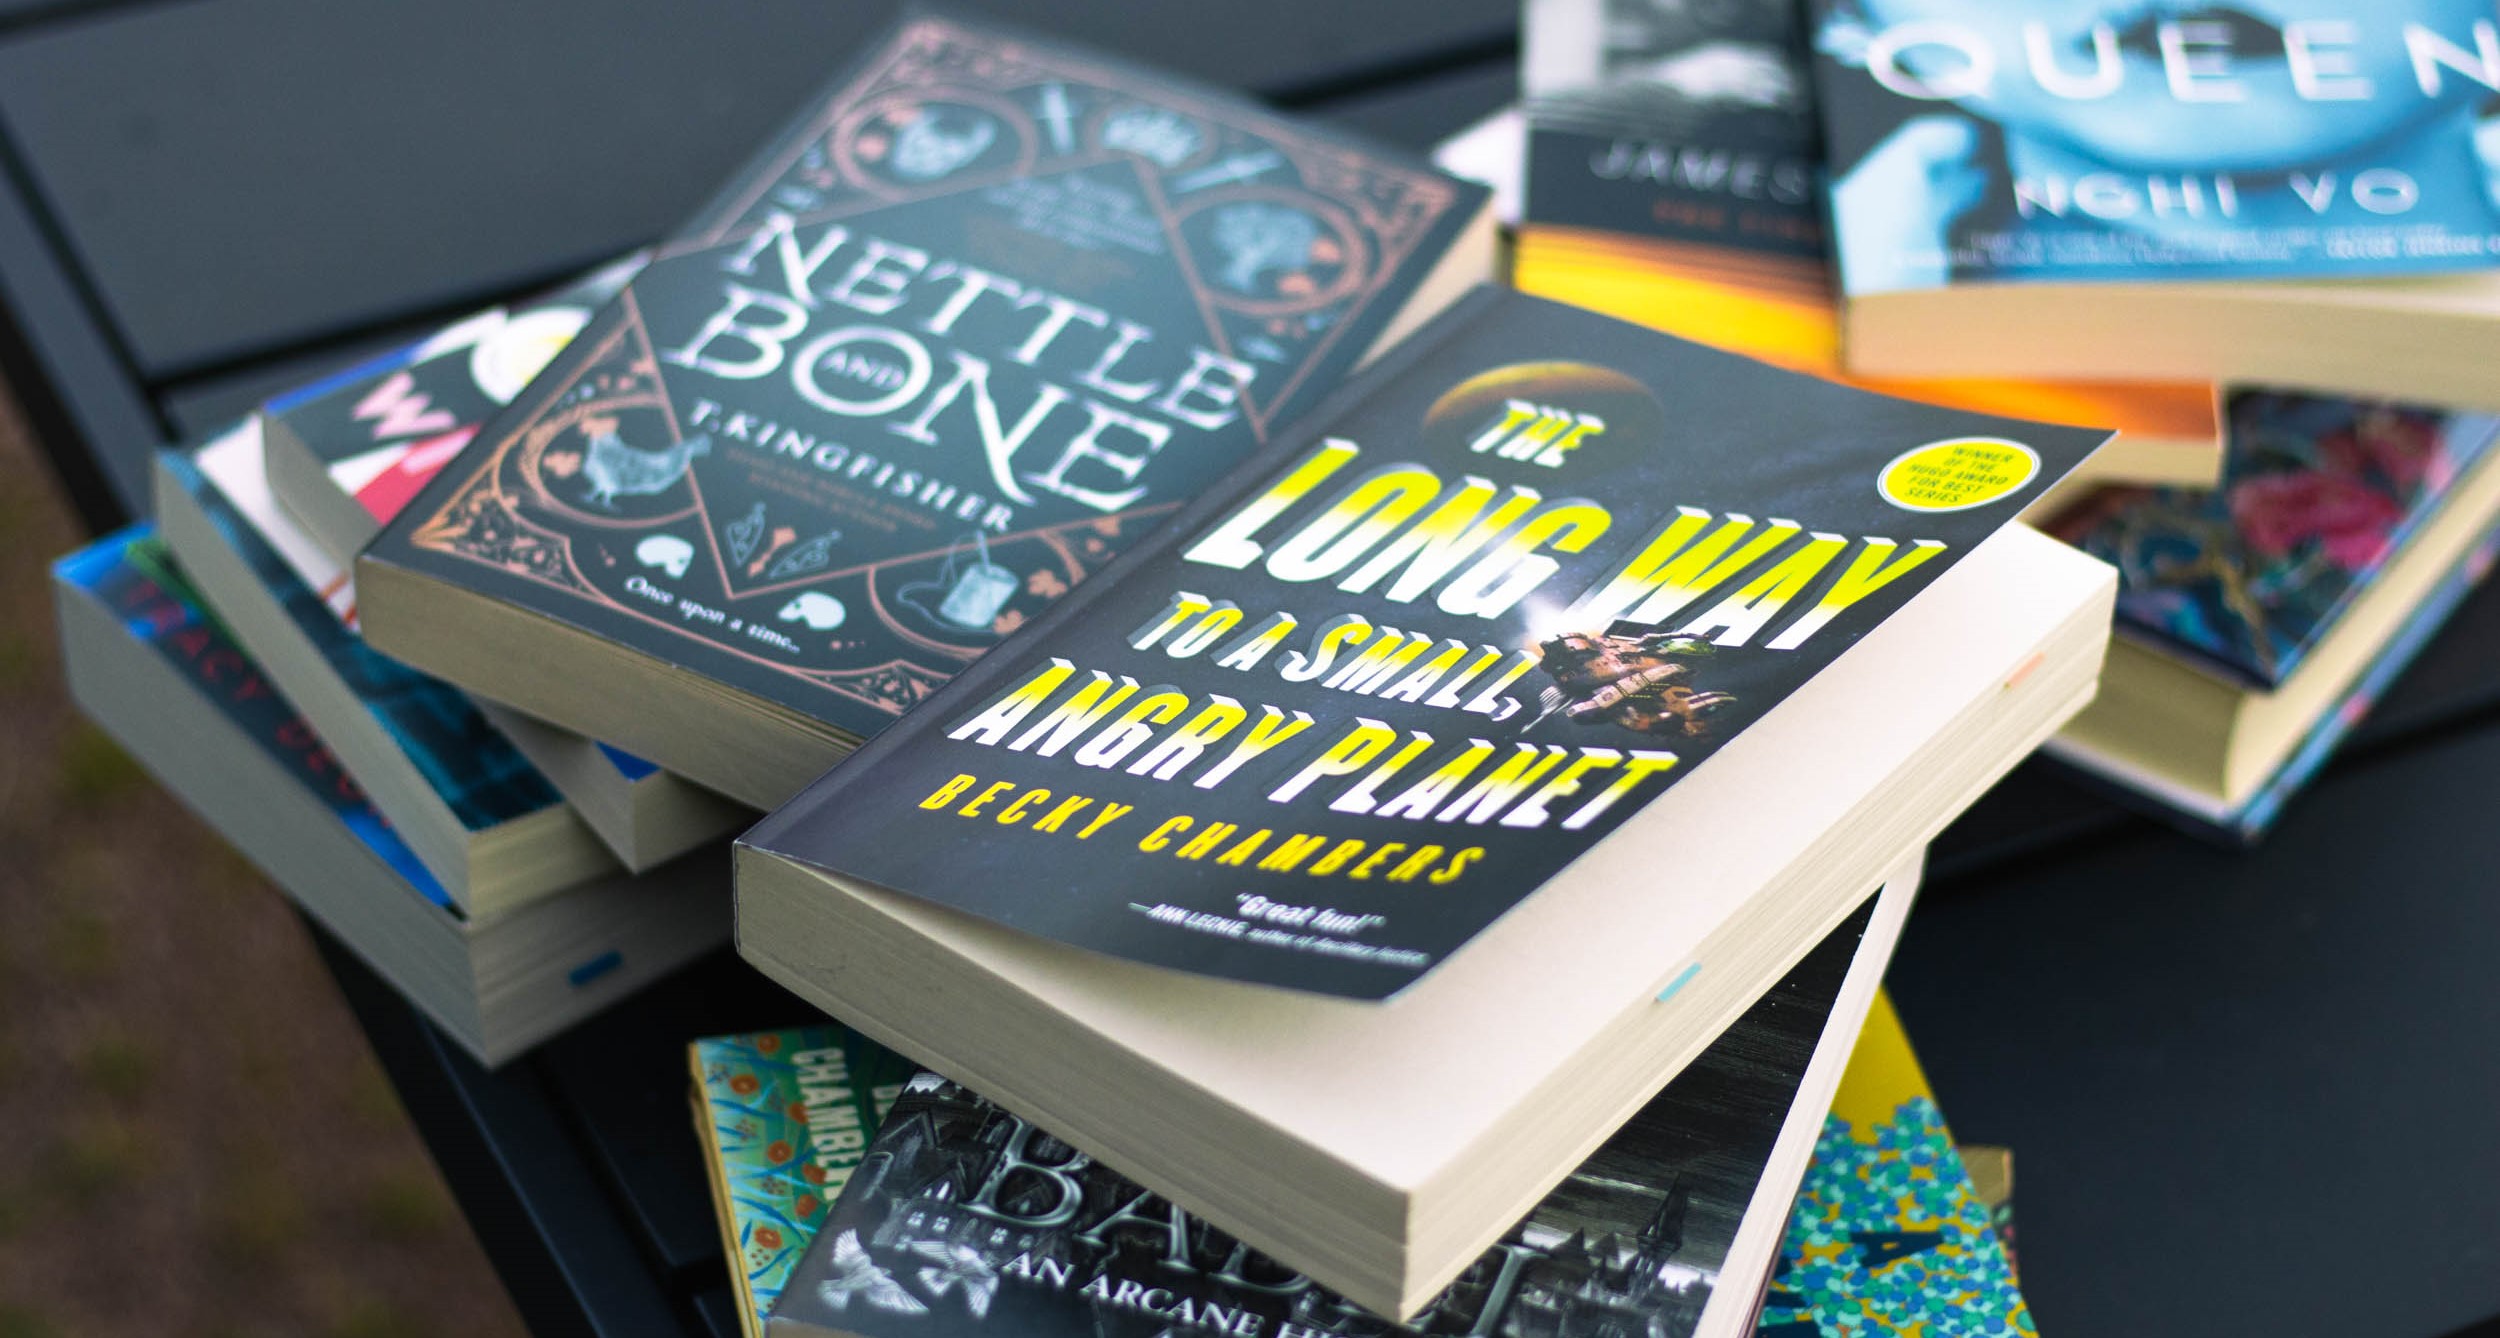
(2216, 819)
(474, 769)
(1979, 142)
(2317, 496)
(1693, 122)
(386, 428)
(1889, 1235)
(1358, 701)
(785, 1118)
(131, 573)
(987, 312)
(964, 1218)
(383, 429)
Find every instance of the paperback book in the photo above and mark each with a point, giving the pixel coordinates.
(150, 665)
(1611, 647)
(785, 1118)
(2268, 194)
(964, 1219)
(989, 310)
(1890, 1229)
(1675, 166)
(341, 458)
(347, 452)
(2258, 622)
(1686, 122)
(1421, 704)
(487, 824)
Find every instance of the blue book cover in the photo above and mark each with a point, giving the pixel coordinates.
(480, 777)
(1974, 141)
(2317, 496)
(132, 574)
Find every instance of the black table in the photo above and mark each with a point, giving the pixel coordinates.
(2249, 1093)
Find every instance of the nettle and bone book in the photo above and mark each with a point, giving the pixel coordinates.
(1555, 659)
(985, 314)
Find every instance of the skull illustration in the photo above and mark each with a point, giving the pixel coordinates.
(936, 143)
(820, 611)
(667, 552)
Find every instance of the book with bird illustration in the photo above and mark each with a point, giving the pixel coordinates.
(983, 315)
(785, 1118)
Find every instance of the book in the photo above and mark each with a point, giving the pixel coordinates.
(964, 1217)
(785, 1118)
(2258, 622)
(158, 673)
(985, 312)
(1992, 1179)
(486, 824)
(1194, 895)
(1674, 171)
(343, 456)
(1890, 1227)
(345, 453)
(2122, 191)
(644, 815)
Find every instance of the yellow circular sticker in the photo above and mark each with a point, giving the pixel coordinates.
(1958, 474)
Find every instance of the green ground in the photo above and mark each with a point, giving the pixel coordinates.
(193, 1136)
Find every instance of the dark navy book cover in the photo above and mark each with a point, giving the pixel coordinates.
(132, 574)
(1512, 586)
(1692, 122)
(985, 314)
(964, 1220)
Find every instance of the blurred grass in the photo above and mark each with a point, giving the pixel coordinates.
(197, 1140)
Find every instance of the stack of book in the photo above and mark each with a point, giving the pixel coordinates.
(1404, 788)
(2263, 250)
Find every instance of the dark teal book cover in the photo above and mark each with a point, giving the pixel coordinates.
(985, 314)
(480, 777)
(132, 574)
(1510, 587)
(785, 1118)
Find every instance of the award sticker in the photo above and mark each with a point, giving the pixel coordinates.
(1958, 474)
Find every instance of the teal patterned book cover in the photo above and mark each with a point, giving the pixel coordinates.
(1889, 1237)
(785, 1118)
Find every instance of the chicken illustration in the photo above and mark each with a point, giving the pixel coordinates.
(745, 533)
(615, 469)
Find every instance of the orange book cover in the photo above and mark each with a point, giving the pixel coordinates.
(1780, 310)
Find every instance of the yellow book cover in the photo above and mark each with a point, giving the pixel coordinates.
(1779, 309)
(1889, 1238)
